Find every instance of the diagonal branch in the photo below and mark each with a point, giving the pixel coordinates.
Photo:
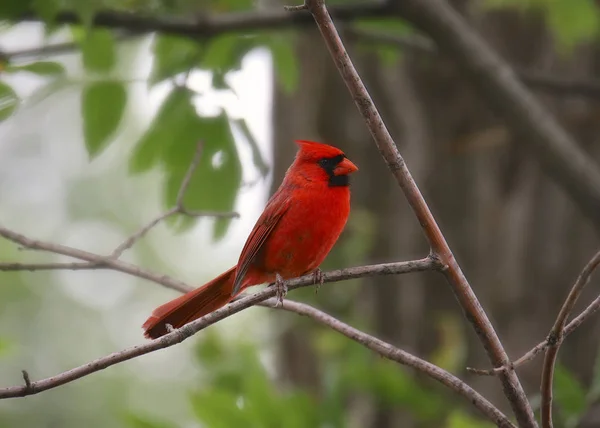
(439, 247)
(556, 336)
(384, 349)
(188, 330)
(394, 354)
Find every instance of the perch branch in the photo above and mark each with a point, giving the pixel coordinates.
(188, 330)
(556, 337)
(440, 249)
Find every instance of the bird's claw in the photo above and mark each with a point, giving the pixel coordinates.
(281, 288)
(319, 279)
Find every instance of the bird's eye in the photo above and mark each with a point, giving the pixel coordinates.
(330, 163)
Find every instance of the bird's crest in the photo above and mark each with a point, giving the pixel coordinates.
(312, 149)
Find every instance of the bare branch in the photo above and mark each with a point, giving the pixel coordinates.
(129, 242)
(210, 26)
(98, 261)
(460, 286)
(33, 267)
(394, 354)
(188, 330)
(177, 209)
(556, 337)
(566, 331)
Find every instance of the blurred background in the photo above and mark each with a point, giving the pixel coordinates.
(97, 129)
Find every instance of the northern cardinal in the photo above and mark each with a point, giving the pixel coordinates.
(297, 229)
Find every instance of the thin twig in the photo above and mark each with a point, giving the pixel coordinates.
(542, 346)
(556, 337)
(101, 262)
(27, 380)
(394, 354)
(33, 267)
(96, 261)
(188, 330)
(460, 286)
(179, 208)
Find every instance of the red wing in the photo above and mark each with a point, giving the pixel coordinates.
(270, 217)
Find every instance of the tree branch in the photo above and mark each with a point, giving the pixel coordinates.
(460, 286)
(556, 337)
(384, 349)
(552, 337)
(188, 330)
(394, 354)
(558, 153)
(214, 25)
(96, 261)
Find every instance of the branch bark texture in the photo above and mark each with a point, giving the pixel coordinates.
(462, 290)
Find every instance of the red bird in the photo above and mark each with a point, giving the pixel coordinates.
(299, 226)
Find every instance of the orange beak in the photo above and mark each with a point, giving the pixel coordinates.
(345, 167)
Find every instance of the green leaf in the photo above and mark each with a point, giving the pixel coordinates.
(46, 10)
(42, 68)
(11, 9)
(98, 50)
(285, 63)
(210, 351)
(217, 408)
(171, 117)
(225, 53)
(573, 22)
(138, 421)
(171, 142)
(173, 55)
(594, 391)
(103, 104)
(459, 419)
(8, 101)
(389, 55)
(217, 179)
(569, 393)
(257, 157)
(5, 346)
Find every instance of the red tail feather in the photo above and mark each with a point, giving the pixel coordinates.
(193, 305)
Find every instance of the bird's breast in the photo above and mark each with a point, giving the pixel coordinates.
(307, 231)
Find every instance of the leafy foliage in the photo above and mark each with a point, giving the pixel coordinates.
(238, 391)
(41, 68)
(8, 101)
(102, 105)
(98, 52)
(170, 143)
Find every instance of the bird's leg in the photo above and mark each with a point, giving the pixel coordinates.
(319, 279)
(281, 288)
